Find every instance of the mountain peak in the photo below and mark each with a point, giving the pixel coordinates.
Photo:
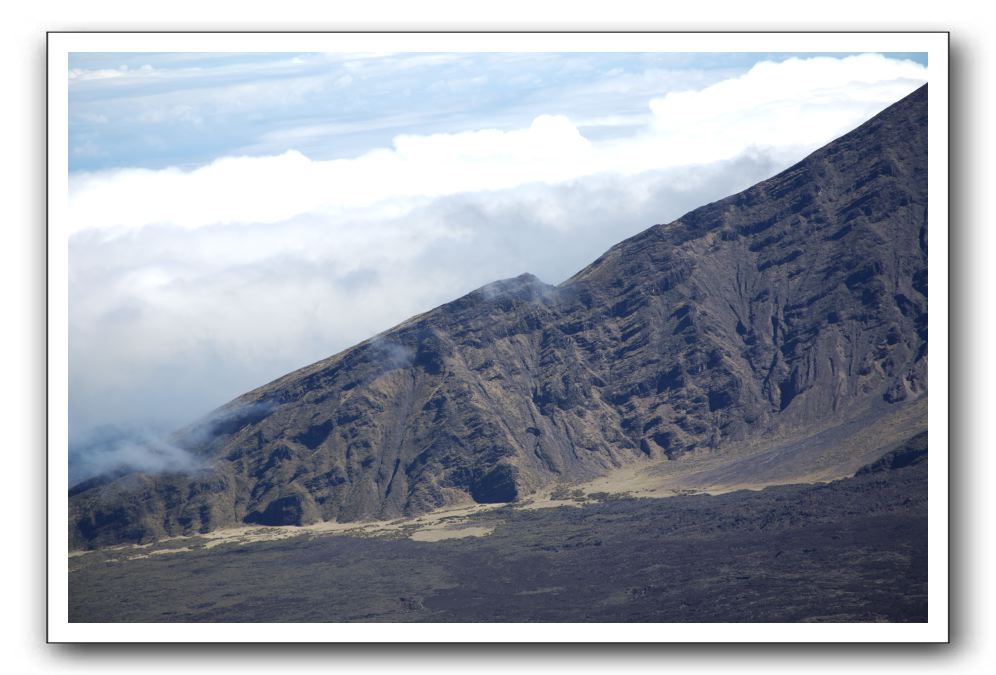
(525, 287)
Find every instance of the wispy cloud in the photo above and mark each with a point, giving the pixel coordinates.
(236, 102)
(127, 448)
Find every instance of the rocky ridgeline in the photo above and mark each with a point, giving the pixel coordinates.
(790, 305)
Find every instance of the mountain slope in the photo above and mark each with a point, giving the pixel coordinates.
(795, 305)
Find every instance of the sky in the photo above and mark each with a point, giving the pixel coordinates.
(234, 217)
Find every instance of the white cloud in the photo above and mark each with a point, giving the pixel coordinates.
(82, 74)
(79, 75)
(792, 106)
(275, 188)
(794, 102)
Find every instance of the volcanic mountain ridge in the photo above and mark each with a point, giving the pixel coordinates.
(794, 307)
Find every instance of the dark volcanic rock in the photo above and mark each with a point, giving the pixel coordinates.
(296, 509)
(853, 550)
(789, 306)
(910, 453)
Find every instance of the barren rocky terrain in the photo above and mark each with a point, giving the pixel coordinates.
(849, 550)
(775, 336)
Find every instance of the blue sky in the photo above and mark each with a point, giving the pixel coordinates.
(236, 216)
(156, 110)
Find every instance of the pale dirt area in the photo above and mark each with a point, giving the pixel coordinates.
(452, 516)
(161, 551)
(446, 523)
(441, 533)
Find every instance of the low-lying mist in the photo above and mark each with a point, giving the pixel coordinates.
(114, 449)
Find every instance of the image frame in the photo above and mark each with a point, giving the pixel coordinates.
(60, 630)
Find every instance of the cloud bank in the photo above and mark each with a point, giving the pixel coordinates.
(793, 106)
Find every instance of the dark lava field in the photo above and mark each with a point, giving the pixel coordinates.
(852, 550)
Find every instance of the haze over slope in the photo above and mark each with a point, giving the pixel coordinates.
(797, 304)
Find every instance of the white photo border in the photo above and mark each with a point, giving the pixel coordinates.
(61, 44)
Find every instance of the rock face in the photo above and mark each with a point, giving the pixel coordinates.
(800, 301)
(910, 453)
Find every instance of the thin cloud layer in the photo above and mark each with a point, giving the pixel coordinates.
(158, 110)
(796, 104)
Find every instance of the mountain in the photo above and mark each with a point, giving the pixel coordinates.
(791, 309)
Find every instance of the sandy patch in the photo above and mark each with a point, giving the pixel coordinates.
(161, 551)
(544, 501)
(441, 533)
(446, 523)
